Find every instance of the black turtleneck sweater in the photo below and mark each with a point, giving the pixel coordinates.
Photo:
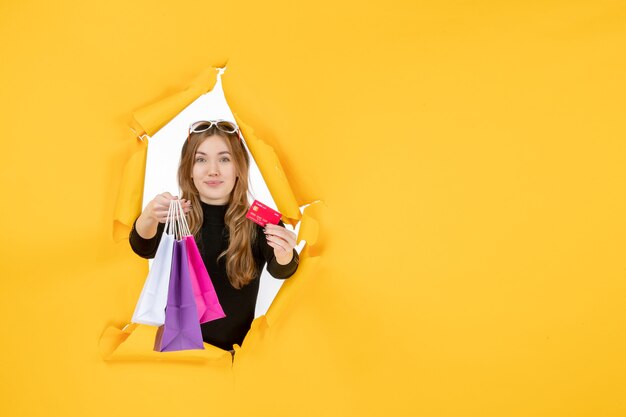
(238, 304)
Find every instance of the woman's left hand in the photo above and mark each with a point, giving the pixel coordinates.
(282, 240)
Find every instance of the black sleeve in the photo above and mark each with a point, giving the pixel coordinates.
(273, 267)
(146, 248)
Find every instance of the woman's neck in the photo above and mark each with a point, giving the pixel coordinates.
(213, 213)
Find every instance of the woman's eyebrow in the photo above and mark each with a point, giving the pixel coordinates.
(220, 153)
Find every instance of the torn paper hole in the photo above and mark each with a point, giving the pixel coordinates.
(168, 127)
(163, 157)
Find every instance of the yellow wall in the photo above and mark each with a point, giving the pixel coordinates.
(472, 159)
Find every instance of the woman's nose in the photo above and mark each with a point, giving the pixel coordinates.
(213, 169)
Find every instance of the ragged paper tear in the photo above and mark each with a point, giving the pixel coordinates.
(128, 204)
(135, 342)
(273, 173)
(145, 123)
(149, 119)
(152, 169)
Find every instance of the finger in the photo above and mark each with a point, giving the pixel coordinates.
(280, 240)
(162, 205)
(166, 198)
(283, 233)
(163, 201)
(161, 212)
(286, 243)
(278, 248)
(275, 229)
(283, 244)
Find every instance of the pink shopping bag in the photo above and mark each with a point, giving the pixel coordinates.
(208, 305)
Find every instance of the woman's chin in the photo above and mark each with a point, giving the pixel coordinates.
(214, 198)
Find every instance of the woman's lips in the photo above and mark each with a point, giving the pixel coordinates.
(213, 183)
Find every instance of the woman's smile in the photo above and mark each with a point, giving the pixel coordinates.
(213, 183)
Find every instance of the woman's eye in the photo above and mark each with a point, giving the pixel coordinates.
(200, 159)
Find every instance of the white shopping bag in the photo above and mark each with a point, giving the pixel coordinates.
(150, 308)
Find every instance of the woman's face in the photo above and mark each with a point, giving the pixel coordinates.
(214, 172)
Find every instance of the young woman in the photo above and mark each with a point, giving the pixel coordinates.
(213, 178)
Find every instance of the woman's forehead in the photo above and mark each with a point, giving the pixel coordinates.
(213, 144)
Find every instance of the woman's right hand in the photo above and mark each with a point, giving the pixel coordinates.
(155, 212)
(159, 206)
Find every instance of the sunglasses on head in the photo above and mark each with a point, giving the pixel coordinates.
(204, 125)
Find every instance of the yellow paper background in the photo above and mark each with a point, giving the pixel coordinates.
(471, 157)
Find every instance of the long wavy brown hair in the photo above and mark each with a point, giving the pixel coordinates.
(240, 264)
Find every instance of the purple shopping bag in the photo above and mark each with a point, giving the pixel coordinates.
(208, 305)
(181, 330)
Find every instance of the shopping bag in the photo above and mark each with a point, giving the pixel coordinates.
(181, 330)
(208, 305)
(150, 308)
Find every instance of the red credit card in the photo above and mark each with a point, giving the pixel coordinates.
(262, 214)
